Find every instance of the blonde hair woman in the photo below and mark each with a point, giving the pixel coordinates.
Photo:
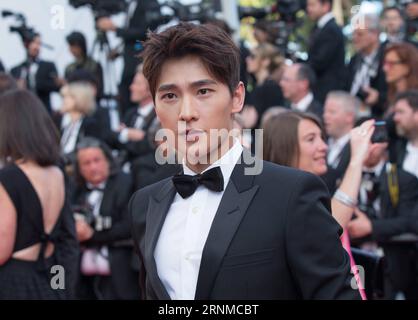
(78, 105)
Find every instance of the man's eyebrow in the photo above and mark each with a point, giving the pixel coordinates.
(199, 83)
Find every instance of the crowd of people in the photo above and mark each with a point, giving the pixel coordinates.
(67, 175)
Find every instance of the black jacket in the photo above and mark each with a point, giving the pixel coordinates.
(273, 237)
(377, 79)
(326, 57)
(44, 78)
(116, 195)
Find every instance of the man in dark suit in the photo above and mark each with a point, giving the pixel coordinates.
(326, 49)
(132, 137)
(35, 74)
(296, 83)
(365, 75)
(386, 212)
(339, 118)
(406, 121)
(232, 226)
(140, 18)
(103, 227)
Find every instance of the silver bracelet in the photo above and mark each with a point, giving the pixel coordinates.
(345, 199)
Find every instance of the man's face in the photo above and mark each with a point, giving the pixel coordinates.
(337, 121)
(363, 39)
(392, 21)
(93, 165)
(140, 88)
(290, 84)
(76, 51)
(316, 9)
(189, 97)
(375, 154)
(405, 118)
(34, 47)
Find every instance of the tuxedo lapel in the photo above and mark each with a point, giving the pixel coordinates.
(157, 211)
(235, 201)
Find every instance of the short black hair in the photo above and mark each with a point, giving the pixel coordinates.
(411, 96)
(77, 39)
(305, 72)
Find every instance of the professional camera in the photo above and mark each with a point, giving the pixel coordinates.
(22, 29)
(85, 213)
(101, 8)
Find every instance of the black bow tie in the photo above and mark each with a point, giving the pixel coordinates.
(186, 185)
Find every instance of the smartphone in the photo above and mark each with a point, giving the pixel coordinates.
(380, 133)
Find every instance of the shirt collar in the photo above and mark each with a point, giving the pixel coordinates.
(410, 148)
(227, 163)
(340, 141)
(146, 109)
(304, 103)
(324, 19)
(377, 169)
(99, 186)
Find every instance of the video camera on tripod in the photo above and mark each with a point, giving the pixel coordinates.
(26, 33)
(101, 8)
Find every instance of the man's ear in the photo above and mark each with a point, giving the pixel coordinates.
(238, 98)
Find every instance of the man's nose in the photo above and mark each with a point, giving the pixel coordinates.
(188, 110)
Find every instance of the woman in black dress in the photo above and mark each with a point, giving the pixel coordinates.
(38, 247)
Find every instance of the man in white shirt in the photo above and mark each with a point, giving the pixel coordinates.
(406, 119)
(339, 118)
(220, 231)
(296, 84)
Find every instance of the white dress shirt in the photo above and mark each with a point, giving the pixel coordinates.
(304, 103)
(143, 112)
(69, 134)
(335, 147)
(410, 163)
(178, 252)
(324, 19)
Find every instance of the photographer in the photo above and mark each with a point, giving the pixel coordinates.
(365, 75)
(138, 23)
(35, 74)
(100, 207)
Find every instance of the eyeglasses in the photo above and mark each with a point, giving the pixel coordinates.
(252, 55)
(391, 63)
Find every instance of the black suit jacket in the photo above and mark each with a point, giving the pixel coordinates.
(273, 237)
(44, 78)
(377, 80)
(116, 195)
(138, 148)
(400, 258)
(326, 57)
(334, 176)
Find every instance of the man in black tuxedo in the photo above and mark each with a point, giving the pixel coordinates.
(132, 137)
(102, 224)
(326, 49)
(140, 17)
(232, 226)
(296, 83)
(385, 212)
(365, 75)
(35, 74)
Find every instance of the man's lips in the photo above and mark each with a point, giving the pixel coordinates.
(192, 135)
